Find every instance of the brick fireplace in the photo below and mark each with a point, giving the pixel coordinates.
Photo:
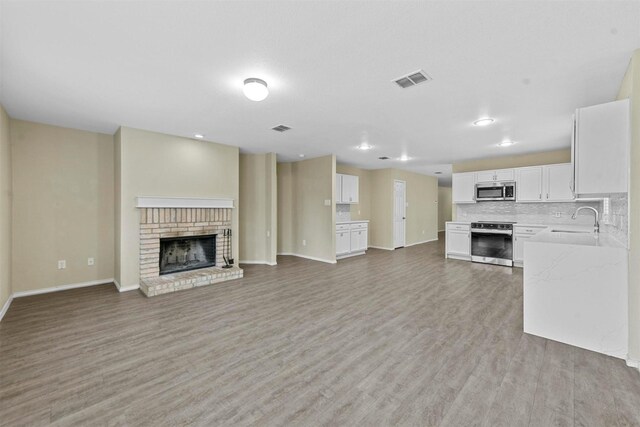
(174, 222)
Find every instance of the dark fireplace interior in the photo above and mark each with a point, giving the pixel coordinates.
(187, 253)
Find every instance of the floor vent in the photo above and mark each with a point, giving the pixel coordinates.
(281, 128)
(412, 79)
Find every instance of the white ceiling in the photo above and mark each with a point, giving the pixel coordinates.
(177, 67)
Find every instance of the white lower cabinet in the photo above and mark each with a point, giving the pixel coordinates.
(458, 241)
(343, 241)
(522, 233)
(351, 239)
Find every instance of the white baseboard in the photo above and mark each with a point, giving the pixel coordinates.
(328, 261)
(632, 363)
(5, 307)
(420, 243)
(125, 288)
(383, 248)
(339, 257)
(61, 288)
(257, 262)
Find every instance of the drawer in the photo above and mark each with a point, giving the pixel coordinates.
(342, 227)
(464, 227)
(520, 229)
(359, 225)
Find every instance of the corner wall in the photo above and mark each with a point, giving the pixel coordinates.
(5, 209)
(258, 208)
(444, 207)
(630, 88)
(62, 198)
(303, 188)
(155, 164)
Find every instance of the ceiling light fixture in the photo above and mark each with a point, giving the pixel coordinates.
(255, 89)
(483, 122)
(364, 146)
(506, 143)
(403, 158)
(301, 156)
(198, 135)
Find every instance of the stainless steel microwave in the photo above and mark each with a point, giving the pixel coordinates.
(495, 191)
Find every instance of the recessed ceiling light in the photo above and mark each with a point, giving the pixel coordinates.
(198, 135)
(403, 158)
(506, 143)
(301, 156)
(364, 146)
(255, 89)
(483, 122)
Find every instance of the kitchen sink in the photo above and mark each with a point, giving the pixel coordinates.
(572, 231)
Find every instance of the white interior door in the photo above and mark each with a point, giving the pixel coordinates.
(399, 213)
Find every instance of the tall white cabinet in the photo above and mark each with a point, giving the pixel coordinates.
(601, 148)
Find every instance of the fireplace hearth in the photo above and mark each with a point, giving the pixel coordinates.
(187, 253)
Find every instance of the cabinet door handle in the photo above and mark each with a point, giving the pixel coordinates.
(547, 195)
(540, 196)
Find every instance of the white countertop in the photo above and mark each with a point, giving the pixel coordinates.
(459, 222)
(352, 222)
(580, 239)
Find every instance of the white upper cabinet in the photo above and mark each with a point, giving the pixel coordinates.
(558, 182)
(551, 183)
(463, 187)
(347, 188)
(496, 175)
(601, 148)
(529, 184)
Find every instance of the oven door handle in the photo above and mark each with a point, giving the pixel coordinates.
(481, 231)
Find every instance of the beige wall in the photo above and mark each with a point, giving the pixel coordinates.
(5, 209)
(302, 189)
(62, 205)
(258, 208)
(362, 210)
(444, 206)
(155, 164)
(518, 161)
(285, 208)
(630, 88)
(422, 209)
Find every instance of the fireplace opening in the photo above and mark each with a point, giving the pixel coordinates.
(187, 253)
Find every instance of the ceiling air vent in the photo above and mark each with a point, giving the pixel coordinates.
(281, 128)
(383, 158)
(412, 79)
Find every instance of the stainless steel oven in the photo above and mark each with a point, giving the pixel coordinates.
(492, 243)
(495, 191)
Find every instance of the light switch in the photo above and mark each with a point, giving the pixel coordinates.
(327, 202)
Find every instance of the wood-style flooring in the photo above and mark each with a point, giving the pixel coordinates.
(390, 338)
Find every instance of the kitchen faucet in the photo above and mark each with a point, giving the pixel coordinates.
(596, 225)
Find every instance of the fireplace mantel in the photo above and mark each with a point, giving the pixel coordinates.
(182, 202)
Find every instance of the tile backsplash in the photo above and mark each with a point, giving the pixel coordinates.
(615, 217)
(343, 212)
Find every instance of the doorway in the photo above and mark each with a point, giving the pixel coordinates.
(399, 213)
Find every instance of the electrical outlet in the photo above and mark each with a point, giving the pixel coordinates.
(62, 264)
(304, 243)
(91, 261)
(558, 214)
(268, 233)
(422, 231)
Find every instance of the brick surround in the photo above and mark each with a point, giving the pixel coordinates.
(157, 223)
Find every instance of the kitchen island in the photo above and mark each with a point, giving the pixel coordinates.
(575, 289)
